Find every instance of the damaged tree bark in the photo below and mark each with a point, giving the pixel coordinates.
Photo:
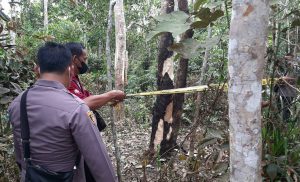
(181, 76)
(163, 107)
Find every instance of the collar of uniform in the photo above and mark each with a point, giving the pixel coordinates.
(75, 77)
(50, 83)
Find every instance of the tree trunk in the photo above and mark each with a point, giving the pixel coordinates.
(120, 70)
(45, 12)
(13, 17)
(199, 97)
(99, 49)
(181, 77)
(288, 44)
(1, 125)
(107, 46)
(121, 59)
(247, 49)
(121, 53)
(163, 107)
(296, 42)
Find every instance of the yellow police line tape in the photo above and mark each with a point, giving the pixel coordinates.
(199, 88)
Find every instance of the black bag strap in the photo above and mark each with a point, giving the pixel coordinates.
(25, 133)
(78, 158)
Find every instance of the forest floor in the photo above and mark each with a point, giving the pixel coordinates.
(133, 141)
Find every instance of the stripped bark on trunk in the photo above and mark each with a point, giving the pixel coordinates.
(163, 107)
(181, 76)
(247, 50)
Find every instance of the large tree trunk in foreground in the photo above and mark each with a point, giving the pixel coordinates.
(163, 107)
(247, 48)
(181, 76)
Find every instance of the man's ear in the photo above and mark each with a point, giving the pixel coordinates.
(36, 70)
(73, 58)
(72, 68)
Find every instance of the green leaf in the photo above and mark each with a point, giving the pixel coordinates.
(214, 4)
(177, 16)
(175, 23)
(198, 3)
(289, 179)
(182, 157)
(221, 168)
(6, 99)
(217, 14)
(199, 24)
(177, 56)
(3, 90)
(294, 12)
(207, 16)
(285, 30)
(273, 2)
(153, 34)
(272, 170)
(186, 48)
(17, 87)
(3, 147)
(207, 141)
(295, 23)
(214, 133)
(204, 14)
(3, 16)
(211, 42)
(224, 177)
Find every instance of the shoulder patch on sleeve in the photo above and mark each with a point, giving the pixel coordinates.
(92, 116)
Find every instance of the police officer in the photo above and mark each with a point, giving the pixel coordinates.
(61, 125)
(79, 59)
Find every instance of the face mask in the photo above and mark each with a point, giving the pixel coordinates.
(84, 68)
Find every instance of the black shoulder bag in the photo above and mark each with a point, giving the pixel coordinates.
(100, 121)
(36, 173)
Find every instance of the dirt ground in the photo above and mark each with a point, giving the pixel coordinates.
(133, 141)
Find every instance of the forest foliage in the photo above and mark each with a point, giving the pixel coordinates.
(86, 21)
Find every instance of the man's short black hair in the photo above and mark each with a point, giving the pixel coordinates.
(54, 57)
(75, 47)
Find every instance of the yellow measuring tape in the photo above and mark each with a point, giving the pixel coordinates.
(199, 88)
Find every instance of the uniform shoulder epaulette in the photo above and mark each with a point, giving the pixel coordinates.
(79, 101)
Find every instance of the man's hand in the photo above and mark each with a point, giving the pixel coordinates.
(117, 95)
(112, 97)
(287, 78)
